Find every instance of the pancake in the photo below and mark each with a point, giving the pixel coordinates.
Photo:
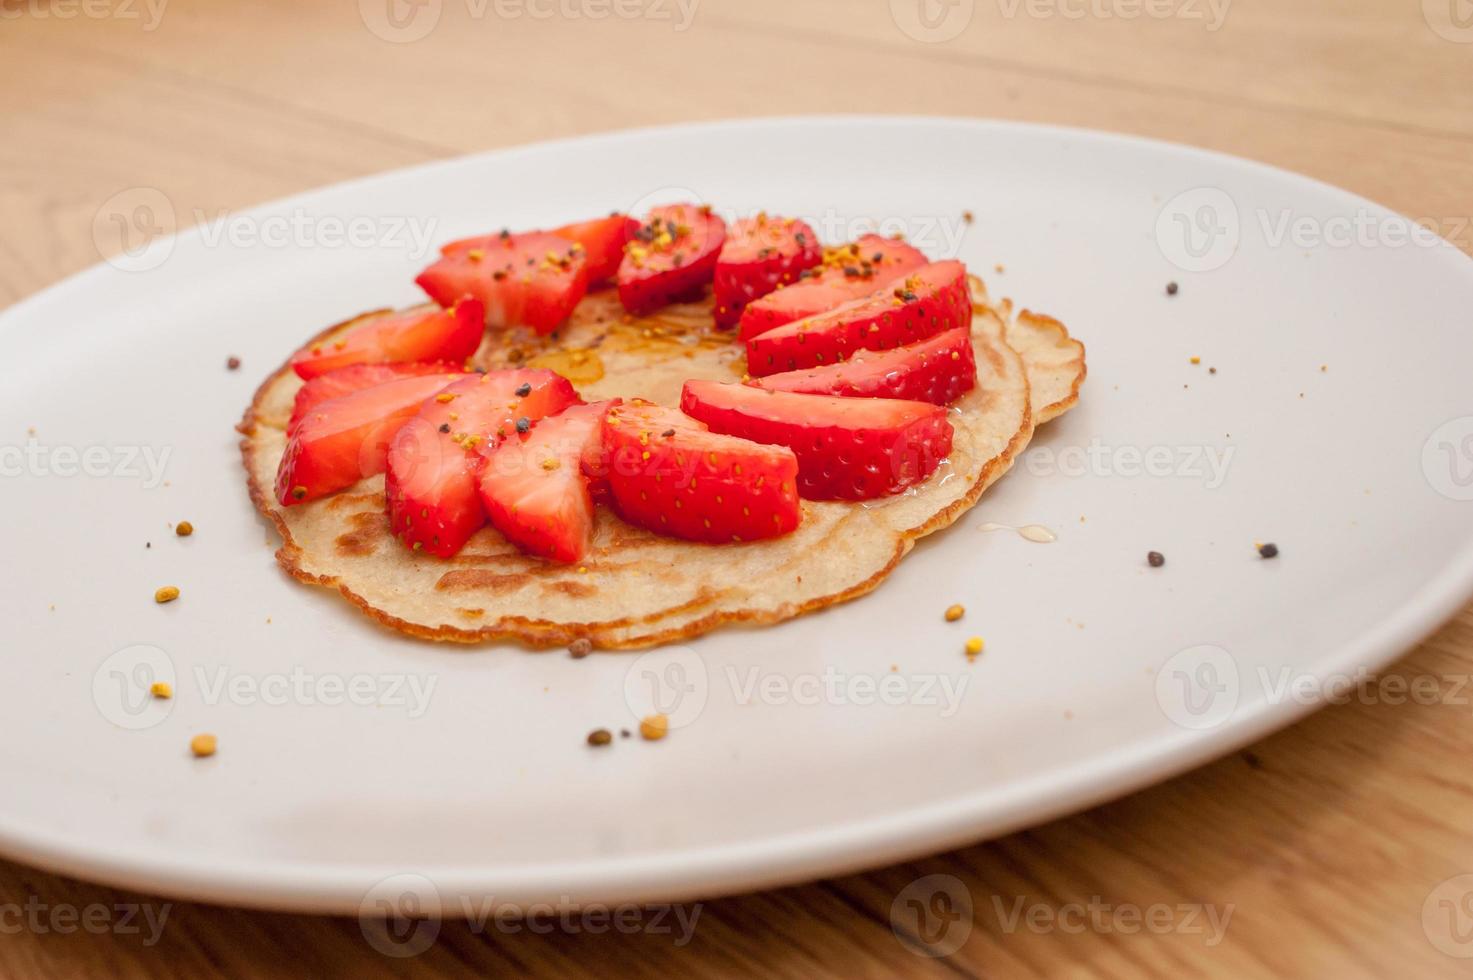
(635, 589)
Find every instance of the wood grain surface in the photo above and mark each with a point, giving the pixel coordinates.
(1321, 847)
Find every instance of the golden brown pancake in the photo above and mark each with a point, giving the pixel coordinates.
(635, 589)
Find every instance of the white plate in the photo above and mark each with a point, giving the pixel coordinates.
(1360, 472)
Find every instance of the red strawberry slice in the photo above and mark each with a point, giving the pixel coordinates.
(921, 304)
(603, 241)
(451, 334)
(357, 377)
(534, 488)
(939, 371)
(847, 448)
(849, 272)
(760, 255)
(433, 463)
(668, 474)
(670, 258)
(344, 440)
(534, 280)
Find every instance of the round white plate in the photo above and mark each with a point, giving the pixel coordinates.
(1338, 424)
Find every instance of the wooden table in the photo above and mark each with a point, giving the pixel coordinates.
(1325, 840)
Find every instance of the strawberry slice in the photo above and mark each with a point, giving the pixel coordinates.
(670, 258)
(911, 308)
(847, 448)
(939, 371)
(534, 488)
(356, 377)
(534, 279)
(343, 440)
(849, 272)
(603, 240)
(432, 467)
(451, 334)
(761, 254)
(668, 474)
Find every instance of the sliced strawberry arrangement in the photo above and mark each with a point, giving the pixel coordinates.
(357, 377)
(847, 448)
(670, 258)
(939, 370)
(534, 279)
(669, 474)
(760, 255)
(603, 240)
(920, 304)
(848, 272)
(434, 460)
(343, 440)
(535, 490)
(451, 334)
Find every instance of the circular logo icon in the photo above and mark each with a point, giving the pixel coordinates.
(122, 687)
(1447, 459)
(1198, 687)
(932, 21)
(1447, 917)
(400, 21)
(932, 916)
(400, 916)
(134, 229)
(1199, 230)
(1451, 20)
(671, 681)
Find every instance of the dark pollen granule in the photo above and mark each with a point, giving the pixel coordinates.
(1269, 550)
(523, 424)
(600, 736)
(233, 363)
(524, 391)
(1155, 559)
(1172, 289)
